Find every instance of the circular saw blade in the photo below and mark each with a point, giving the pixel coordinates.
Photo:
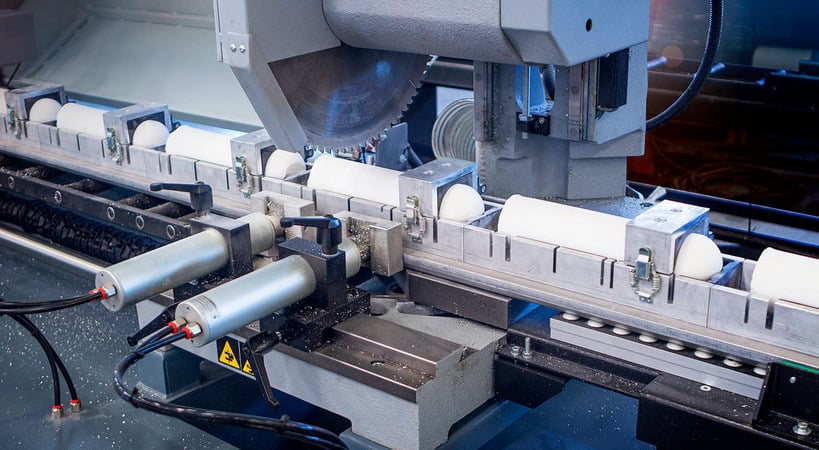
(345, 96)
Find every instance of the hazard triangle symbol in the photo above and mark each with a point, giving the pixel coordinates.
(228, 356)
(247, 369)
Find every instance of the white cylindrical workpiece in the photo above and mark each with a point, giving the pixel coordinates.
(353, 179)
(81, 119)
(200, 145)
(165, 268)
(44, 110)
(461, 203)
(352, 256)
(256, 295)
(283, 164)
(566, 226)
(150, 134)
(786, 276)
(698, 257)
(262, 231)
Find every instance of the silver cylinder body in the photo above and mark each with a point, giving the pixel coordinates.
(256, 295)
(468, 29)
(177, 263)
(164, 268)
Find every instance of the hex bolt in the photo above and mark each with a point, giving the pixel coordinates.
(527, 348)
(801, 428)
(233, 48)
(792, 380)
(515, 350)
(242, 49)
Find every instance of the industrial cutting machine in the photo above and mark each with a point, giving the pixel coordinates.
(532, 264)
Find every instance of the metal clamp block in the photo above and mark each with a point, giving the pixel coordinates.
(120, 125)
(663, 228)
(429, 183)
(378, 241)
(252, 150)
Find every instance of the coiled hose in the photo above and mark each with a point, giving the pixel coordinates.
(715, 19)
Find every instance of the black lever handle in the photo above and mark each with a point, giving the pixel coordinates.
(201, 194)
(154, 325)
(254, 351)
(329, 230)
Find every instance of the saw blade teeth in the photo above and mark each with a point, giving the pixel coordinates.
(340, 111)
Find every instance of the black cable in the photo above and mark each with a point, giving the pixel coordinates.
(715, 18)
(26, 322)
(47, 349)
(41, 302)
(309, 434)
(13, 73)
(161, 333)
(154, 344)
(7, 307)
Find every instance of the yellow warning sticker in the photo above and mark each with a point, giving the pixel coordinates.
(247, 369)
(228, 356)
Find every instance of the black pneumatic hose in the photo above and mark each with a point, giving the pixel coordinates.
(47, 349)
(305, 433)
(715, 19)
(72, 390)
(7, 307)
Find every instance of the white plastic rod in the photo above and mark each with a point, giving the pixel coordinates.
(283, 164)
(200, 145)
(150, 134)
(81, 119)
(786, 276)
(566, 226)
(353, 179)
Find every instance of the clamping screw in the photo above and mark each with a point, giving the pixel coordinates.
(527, 348)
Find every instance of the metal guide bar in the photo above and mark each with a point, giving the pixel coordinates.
(125, 208)
(589, 306)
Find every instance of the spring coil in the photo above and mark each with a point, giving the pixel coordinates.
(89, 236)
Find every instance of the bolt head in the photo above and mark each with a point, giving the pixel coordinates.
(515, 350)
(233, 48)
(802, 429)
(242, 49)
